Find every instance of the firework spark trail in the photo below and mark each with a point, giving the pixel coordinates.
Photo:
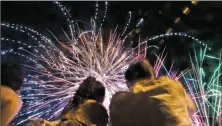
(205, 93)
(96, 10)
(104, 17)
(129, 20)
(68, 18)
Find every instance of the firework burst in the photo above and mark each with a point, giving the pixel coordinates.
(59, 67)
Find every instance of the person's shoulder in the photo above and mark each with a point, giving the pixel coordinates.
(89, 101)
(8, 93)
(120, 99)
(94, 108)
(93, 104)
(171, 84)
(122, 95)
(162, 79)
(169, 81)
(6, 90)
(8, 96)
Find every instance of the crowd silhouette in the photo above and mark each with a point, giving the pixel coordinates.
(150, 101)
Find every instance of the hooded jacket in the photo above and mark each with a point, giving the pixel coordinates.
(157, 102)
(90, 113)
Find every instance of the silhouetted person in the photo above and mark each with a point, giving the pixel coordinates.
(150, 101)
(87, 109)
(11, 83)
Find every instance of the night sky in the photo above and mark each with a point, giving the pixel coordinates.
(204, 21)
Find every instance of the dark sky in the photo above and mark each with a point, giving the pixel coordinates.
(204, 14)
(204, 21)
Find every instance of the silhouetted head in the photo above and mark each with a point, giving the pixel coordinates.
(12, 76)
(139, 71)
(89, 89)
